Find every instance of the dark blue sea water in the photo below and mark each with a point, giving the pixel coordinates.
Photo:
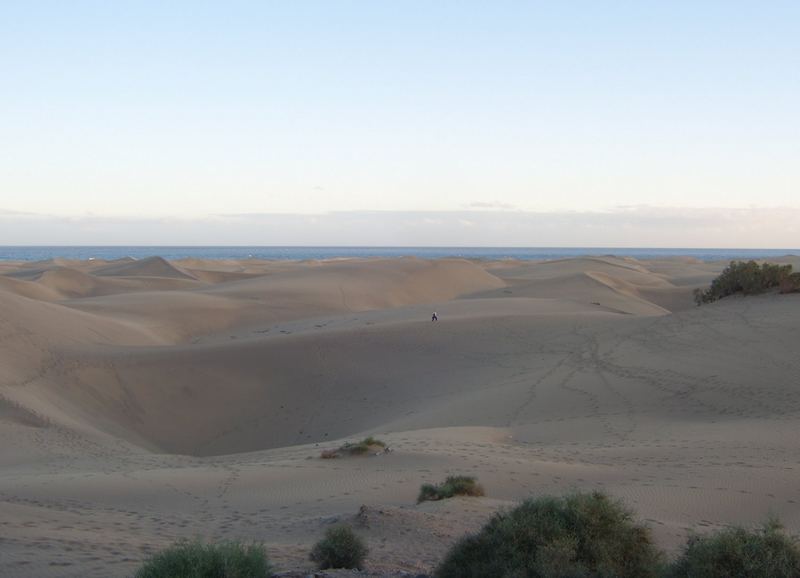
(489, 253)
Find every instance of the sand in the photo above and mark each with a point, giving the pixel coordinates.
(146, 401)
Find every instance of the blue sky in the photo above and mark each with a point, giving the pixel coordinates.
(146, 110)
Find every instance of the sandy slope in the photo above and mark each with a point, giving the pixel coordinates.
(129, 390)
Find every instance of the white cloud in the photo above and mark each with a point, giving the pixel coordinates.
(492, 205)
(628, 226)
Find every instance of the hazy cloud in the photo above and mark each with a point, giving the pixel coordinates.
(492, 205)
(629, 226)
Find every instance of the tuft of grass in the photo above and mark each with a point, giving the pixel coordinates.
(428, 493)
(371, 441)
(199, 560)
(767, 552)
(340, 548)
(365, 446)
(452, 486)
(578, 536)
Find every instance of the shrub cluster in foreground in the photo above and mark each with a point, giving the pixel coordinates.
(581, 535)
(748, 278)
(199, 560)
(594, 536)
(340, 548)
(452, 486)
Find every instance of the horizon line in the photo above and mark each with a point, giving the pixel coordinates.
(337, 246)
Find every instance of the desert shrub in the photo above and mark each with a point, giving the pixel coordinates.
(354, 449)
(199, 560)
(748, 278)
(739, 553)
(428, 493)
(339, 548)
(371, 441)
(577, 536)
(452, 486)
(362, 447)
(791, 284)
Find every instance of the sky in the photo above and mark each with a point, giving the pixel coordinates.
(622, 123)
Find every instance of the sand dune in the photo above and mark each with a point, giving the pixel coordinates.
(357, 285)
(34, 336)
(28, 289)
(294, 293)
(144, 401)
(623, 285)
(284, 389)
(149, 267)
(54, 281)
(215, 277)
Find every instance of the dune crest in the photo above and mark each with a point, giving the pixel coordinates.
(149, 267)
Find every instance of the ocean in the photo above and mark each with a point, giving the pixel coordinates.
(40, 253)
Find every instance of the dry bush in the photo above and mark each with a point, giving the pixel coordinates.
(452, 486)
(365, 446)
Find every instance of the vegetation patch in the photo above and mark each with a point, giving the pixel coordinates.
(368, 445)
(736, 552)
(580, 535)
(341, 547)
(452, 486)
(748, 278)
(199, 560)
(791, 284)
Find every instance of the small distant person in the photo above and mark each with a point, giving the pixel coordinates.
(434, 317)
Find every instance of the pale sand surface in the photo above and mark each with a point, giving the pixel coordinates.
(146, 401)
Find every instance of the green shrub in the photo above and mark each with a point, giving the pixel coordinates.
(452, 486)
(361, 448)
(340, 548)
(428, 493)
(580, 535)
(748, 278)
(198, 560)
(371, 441)
(738, 553)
